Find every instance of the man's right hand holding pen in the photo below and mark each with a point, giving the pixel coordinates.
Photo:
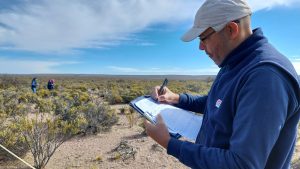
(164, 95)
(159, 131)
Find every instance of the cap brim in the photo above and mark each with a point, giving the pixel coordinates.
(192, 34)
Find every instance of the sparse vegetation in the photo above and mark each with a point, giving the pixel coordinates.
(131, 116)
(123, 151)
(99, 158)
(41, 122)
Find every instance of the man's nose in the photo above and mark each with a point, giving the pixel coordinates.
(201, 46)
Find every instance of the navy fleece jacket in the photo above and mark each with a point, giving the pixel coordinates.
(250, 113)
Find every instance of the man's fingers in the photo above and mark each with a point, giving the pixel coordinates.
(159, 119)
(154, 93)
(161, 98)
(150, 126)
(147, 123)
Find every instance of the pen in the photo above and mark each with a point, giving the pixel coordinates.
(161, 89)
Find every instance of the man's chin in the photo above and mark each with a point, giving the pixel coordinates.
(211, 57)
(215, 61)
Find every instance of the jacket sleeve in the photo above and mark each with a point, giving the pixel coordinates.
(261, 110)
(192, 103)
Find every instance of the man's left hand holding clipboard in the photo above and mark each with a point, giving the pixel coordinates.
(159, 131)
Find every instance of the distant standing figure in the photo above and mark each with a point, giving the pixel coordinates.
(50, 85)
(34, 84)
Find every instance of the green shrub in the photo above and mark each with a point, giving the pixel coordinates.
(44, 135)
(12, 139)
(114, 98)
(99, 117)
(131, 116)
(43, 93)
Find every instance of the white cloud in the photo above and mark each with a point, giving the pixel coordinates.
(296, 63)
(147, 44)
(55, 25)
(14, 66)
(123, 69)
(258, 4)
(213, 70)
(62, 25)
(297, 67)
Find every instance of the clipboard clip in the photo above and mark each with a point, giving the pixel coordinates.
(150, 117)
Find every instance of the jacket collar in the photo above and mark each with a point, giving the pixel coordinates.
(244, 49)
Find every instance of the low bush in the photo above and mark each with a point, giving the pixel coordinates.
(10, 137)
(99, 117)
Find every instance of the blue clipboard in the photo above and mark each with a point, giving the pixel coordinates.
(147, 115)
(144, 114)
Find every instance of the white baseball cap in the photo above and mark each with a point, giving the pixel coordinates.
(216, 14)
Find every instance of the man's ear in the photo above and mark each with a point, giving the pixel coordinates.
(233, 29)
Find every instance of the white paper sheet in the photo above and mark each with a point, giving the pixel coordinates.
(179, 121)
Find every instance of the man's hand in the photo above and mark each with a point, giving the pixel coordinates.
(167, 95)
(158, 132)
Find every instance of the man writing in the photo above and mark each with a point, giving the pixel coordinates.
(252, 109)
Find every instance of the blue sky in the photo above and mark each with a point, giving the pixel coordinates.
(123, 37)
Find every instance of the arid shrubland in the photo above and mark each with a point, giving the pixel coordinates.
(42, 122)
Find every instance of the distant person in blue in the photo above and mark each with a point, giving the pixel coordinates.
(252, 109)
(34, 85)
(50, 84)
